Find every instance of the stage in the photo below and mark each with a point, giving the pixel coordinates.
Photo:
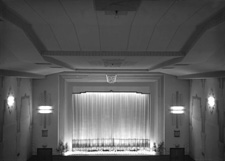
(110, 153)
(111, 158)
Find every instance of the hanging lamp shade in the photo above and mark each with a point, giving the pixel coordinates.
(177, 107)
(45, 106)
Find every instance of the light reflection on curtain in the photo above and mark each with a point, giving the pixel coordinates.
(111, 120)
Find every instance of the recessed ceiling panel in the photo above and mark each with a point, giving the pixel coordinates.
(144, 23)
(84, 19)
(54, 14)
(177, 13)
(114, 31)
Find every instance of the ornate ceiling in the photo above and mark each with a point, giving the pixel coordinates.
(184, 38)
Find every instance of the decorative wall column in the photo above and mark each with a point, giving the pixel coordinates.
(221, 117)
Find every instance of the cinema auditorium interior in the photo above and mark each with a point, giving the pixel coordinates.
(112, 80)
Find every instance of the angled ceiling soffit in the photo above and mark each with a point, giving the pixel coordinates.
(213, 74)
(20, 74)
(213, 21)
(14, 18)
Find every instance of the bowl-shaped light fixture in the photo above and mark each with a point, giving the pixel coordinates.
(177, 109)
(45, 106)
(45, 109)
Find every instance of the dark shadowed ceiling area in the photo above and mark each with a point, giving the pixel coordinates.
(185, 38)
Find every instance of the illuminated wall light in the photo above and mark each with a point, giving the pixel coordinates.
(211, 101)
(11, 100)
(45, 109)
(45, 104)
(177, 109)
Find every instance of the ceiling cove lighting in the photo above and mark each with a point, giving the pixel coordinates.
(45, 104)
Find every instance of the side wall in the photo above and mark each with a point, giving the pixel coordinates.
(45, 130)
(174, 122)
(15, 122)
(207, 125)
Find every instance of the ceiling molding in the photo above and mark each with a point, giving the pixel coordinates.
(14, 18)
(213, 21)
(124, 72)
(111, 70)
(20, 74)
(112, 53)
(215, 74)
(101, 77)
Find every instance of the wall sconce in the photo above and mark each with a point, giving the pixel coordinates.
(45, 109)
(177, 108)
(45, 104)
(10, 101)
(211, 101)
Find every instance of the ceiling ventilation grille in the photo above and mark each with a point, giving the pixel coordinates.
(113, 62)
(43, 63)
(110, 63)
(117, 5)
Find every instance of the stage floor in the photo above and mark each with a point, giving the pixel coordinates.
(110, 153)
(111, 158)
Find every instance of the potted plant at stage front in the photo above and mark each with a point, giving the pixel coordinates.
(159, 148)
(62, 148)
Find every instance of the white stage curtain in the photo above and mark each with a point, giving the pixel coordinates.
(111, 119)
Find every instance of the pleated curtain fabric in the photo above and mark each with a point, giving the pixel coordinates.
(111, 120)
